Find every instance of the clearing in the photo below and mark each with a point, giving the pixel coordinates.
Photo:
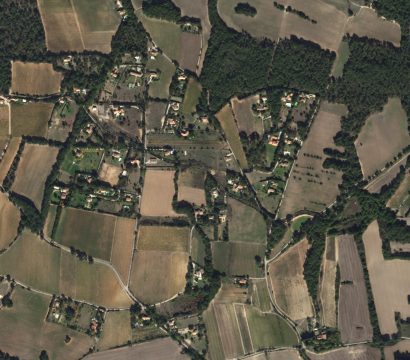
(288, 284)
(310, 186)
(386, 277)
(382, 137)
(35, 79)
(353, 312)
(34, 167)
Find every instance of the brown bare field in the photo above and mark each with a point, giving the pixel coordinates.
(163, 238)
(190, 51)
(24, 332)
(4, 120)
(199, 10)
(35, 78)
(382, 137)
(32, 172)
(50, 220)
(247, 121)
(332, 22)
(397, 247)
(31, 118)
(386, 277)
(7, 159)
(401, 197)
(358, 352)
(283, 355)
(116, 330)
(367, 23)
(75, 25)
(110, 173)
(328, 284)
(191, 186)
(157, 276)
(41, 266)
(157, 193)
(288, 284)
(9, 221)
(386, 177)
(310, 186)
(164, 349)
(353, 315)
(122, 248)
(401, 346)
(228, 124)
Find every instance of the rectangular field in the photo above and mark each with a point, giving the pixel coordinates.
(310, 186)
(191, 186)
(76, 25)
(359, 352)
(382, 137)
(32, 172)
(157, 193)
(353, 313)
(31, 118)
(116, 330)
(288, 284)
(163, 238)
(159, 89)
(35, 79)
(228, 124)
(4, 120)
(259, 292)
(386, 277)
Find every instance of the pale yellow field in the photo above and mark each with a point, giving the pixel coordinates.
(34, 167)
(358, 352)
(382, 137)
(110, 173)
(157, 193)
(8, 157)
(288, 284)
(163, 238)
(386, 277)
(9, 221)
(401, 346)
(116, 330)
(4, 120)
(35, 78)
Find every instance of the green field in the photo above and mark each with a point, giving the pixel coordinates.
(94, 232)
(298, 221)
(192, 94)
(253, 230)
(197, 249)
(89, 161)
(259, 292)
(342, 56)
(97, 15)
(159, 89)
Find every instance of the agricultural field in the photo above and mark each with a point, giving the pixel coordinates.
(310, 186)
(191, 97)
(386, 277)
(324, 24)
(25, 333)
(191, 186)
(116, 330)
(50, 220)
(288, 286)
(78, 25)
(110, 173)
(353, 312)
(259, 294)
(32, 172)
(236, 258)
(157, 256)
(35, 79)
(358, 352)
(247, 121)
(197, 249)
(253, 230)
(400, 201)
(382, 137)
(30, 119)
(228, 124)
(95, 232)
(164, 349)
(237, 329)
(8, 157)
(158, 193)
(401, 346)
(180, 46)
(159, 89)
(41, 266)
(4, 120)
(154, 115)
(328, 284)
(199, 10)
(9, 221)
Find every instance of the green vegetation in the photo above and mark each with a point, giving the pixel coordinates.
(161, 9)
(245, 9)
(398, 10)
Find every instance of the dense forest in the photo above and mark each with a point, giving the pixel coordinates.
(398, 10)
(161, 9)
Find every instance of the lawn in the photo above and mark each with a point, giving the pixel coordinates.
(159, 89)
(88, 162)
(191, 98)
